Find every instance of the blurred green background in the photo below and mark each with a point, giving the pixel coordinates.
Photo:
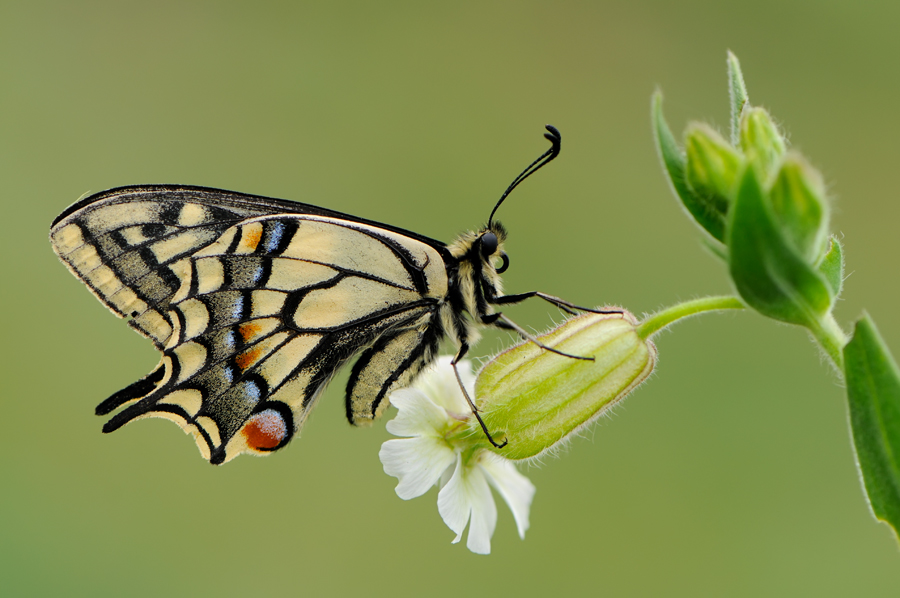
(729, 473)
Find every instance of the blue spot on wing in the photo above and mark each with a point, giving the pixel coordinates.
(237, 310)
(275, 233)
(251, 390)
(228, 340)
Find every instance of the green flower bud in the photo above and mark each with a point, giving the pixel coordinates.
(537, 398)
(762, 142)
(712, 166)
(800, 208)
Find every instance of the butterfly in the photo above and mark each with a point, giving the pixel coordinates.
(256, 302)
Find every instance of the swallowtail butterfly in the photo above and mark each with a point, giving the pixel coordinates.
(255, 302)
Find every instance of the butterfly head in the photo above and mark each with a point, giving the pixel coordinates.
(489, 246)
(482, 251)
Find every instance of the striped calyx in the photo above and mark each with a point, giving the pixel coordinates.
(538, 398)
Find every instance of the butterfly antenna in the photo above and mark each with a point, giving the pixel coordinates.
(555, 139)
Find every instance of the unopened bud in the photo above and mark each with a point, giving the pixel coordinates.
(712, 166)
(800, 207)
(762, 142)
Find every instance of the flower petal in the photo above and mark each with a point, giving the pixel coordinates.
(468, 496)
(516, 489)
(417, 462)
(440, 384)
(452, 503)
(484, 520)
(418, 414)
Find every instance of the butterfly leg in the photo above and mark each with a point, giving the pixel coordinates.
(498, 320)
(463, 349)
(564, 305)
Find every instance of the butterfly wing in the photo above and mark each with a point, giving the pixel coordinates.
(253, 322)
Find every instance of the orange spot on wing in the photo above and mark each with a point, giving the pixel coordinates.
(248, 358)
(251, 236)
(265, 430)
(249, 330)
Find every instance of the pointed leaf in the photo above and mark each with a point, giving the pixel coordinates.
(873, 392)
(714, 247)
(768, 273)
(832, 267)
(674, 161)
(737, 92)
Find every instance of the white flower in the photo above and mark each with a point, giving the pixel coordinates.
(432, 415)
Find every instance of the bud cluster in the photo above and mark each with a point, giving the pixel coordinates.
(763, 206)
(765, 212)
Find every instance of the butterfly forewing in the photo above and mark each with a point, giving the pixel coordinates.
(125, 246)
(253, 313)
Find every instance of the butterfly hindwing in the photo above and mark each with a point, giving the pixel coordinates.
(265, 312)
(402, 355)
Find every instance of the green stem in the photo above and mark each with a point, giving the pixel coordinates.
(670, 315)
(832, 339)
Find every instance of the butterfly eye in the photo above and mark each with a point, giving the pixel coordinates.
(504, 265)
(488, 244)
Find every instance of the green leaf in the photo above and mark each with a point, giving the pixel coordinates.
(832, 267)
(769, 275)
(873, 392)
(674, 162)
(714, 247)
(737, 92)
